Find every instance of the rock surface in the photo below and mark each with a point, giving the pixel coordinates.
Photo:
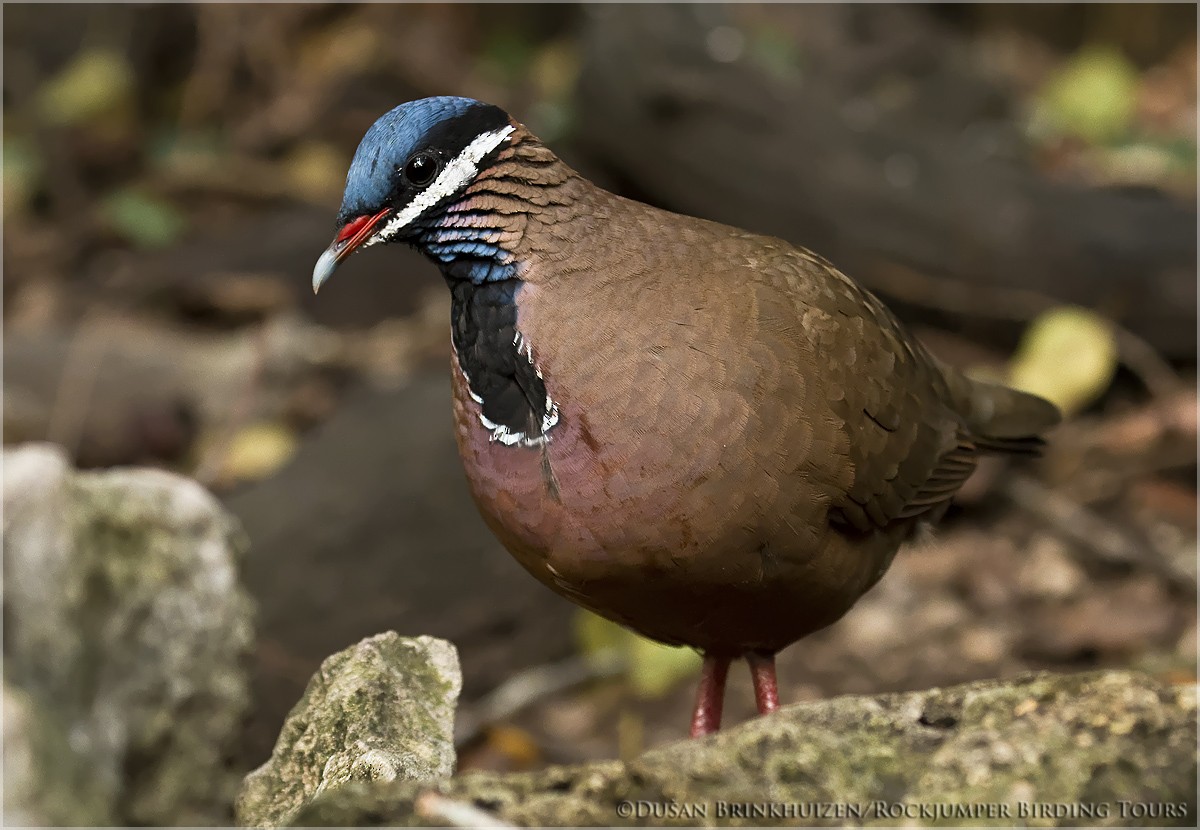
(126, 634)
(382, 710)
(1105, 748)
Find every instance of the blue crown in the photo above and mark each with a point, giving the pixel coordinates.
(444, 123)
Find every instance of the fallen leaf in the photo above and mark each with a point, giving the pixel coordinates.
(258, 450)
(95, 83)
(652, 668)
(1093, 96)
(1068, 356)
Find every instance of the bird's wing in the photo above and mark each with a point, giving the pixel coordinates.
(908, 449)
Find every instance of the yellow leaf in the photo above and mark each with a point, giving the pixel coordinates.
(259, 450)
(1068, 356)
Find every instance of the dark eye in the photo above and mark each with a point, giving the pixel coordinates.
(421, 169)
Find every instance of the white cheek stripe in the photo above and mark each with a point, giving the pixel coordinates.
(455, 175)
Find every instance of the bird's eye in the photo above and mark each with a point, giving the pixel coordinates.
(421, 169)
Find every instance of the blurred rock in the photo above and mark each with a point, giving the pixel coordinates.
(382, 710)
(1087, 741)
(1048, 572)
(1116, 618)
(128, 390)
(371, 527)
(45, 781)
(816, 154)
(126, 628)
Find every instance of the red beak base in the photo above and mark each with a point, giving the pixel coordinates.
(353, 234)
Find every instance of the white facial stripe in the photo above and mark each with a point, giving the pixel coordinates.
(454, 175)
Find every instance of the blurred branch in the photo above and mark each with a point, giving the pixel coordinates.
(67, 193)
(530, 686)
(1020, 305)
(1092, 534)
(218, 46)
(77, 382)
(209, 469)
(431, 805)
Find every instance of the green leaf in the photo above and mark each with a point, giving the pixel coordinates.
(1068, 356)
(507, 55)
(22, 172)
(652, 668)
(775, 52)
(145, 221)
(595, 635)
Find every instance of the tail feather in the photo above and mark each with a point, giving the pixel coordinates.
(1031, 445)
(1002, 419)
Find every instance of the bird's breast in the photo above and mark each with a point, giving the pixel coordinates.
(670, 493)
(630, 465)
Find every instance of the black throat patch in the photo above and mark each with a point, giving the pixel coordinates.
(498, 363)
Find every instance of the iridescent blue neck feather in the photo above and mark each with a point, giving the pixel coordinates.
(467, 245)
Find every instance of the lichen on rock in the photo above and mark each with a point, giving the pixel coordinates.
(1104, 744)
(379, 711)
(126, 635)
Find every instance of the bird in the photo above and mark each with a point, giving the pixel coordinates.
(712, 437)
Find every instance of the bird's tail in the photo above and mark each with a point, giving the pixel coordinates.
(1002, 419)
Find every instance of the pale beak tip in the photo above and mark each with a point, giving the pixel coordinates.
(324, 269)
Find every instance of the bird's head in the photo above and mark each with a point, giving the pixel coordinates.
(411, 162)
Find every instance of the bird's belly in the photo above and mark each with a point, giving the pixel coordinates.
(674, 542)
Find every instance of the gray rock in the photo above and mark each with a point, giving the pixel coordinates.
(380, 711)
(126, 632)
(1105, 748)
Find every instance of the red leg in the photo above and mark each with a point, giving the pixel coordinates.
(766, 689)
(710, 698)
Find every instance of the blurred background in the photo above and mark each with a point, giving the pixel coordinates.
(1018, 182)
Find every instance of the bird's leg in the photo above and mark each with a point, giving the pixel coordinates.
(766, 689)
(710, 698)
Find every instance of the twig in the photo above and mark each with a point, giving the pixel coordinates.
(77, 382)
(209, 468)
(218, 47)
(1021, 305)
(431, 805)
(528, 687)
(1151, 368)
(1137, 432)
(1090, 532)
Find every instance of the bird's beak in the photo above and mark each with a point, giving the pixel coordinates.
(349, 238)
